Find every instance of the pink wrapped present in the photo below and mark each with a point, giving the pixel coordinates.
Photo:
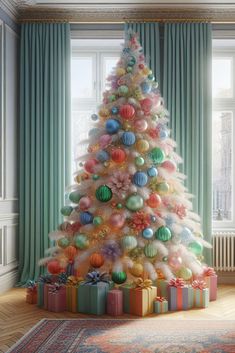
(45, 295)
(115, 302)
(56, 298)
(210, 278)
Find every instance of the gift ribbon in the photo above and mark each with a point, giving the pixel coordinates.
(95, 277)
(45, 279)
(198, 284)
(140, 283)
(31, 286)
(54, 288)
(160, 299)
(176, 282)
(73, 280)
(62, 278)
(209, 271)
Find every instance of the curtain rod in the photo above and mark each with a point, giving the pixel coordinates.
(54, 20)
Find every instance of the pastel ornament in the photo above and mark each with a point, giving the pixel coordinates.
(127, 111)
(186, 235)
(134, 202)
(84, 203)
(86, 218)
(89, 165)
(96, 260)
(70, 252)
(119, 277)
(131, 60)
(195, 247)
(105, 140)
(129, 242)
(118, 155)
(150, 250)
(163, 134)
(112, 126)
(97, 220)
(185, 273)
(53, 267)
(146, 105)
(145, 87)
(169, 165)
(75, 196)
(139, 161)
(81, 241)
(66, 210)
(163, 234)
(117, 220)
(94, 117)
(157, 155)
(123, 90)
(140, 179)
(175, 261)
(120, 71)
(154, 200)
(152, 172)
(114, 110)
(142, 146)
(102, 156)
(104, 112)
(128, 138)
(140, 125)
(147, 233)
(162, 188)
(94, 131)
(103, 193)
(137, 269)
(63, 243)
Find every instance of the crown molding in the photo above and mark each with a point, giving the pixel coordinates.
(10, 7)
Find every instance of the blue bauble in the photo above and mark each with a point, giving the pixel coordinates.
(94, 131)
(169, 221)
(147, 233)
(94, 117)
(131, 61)
(151, 77)
(128, 138)
(186, 235)
(126, 50)
(152, 172)
(102, 156)
(163, 134)
(86, 218)
(140, 179)
(145, 87)
(114, 110)
(112, 126)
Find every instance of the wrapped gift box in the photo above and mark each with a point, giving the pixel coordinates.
(31, 295)
(45, 295)
(139, 297)
(115, 302)
(56, 298)
(72, 293)
(160, 305)
(200, 294)
(40, 296)
(210, 278)
(180, 296)
(162, 285)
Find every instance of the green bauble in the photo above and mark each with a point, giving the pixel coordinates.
(123, 90)
(75, 196)
(150, 250)
(95, 176)
(163, 234)
(162, 188)
(185, 273)
(81, 241)
(97, 220)
(129, 242)
(157, 155)
(119, 277)
(139, 161)
(63, 243)
(66, 210)
(103, 193)
(134, 202)
(196, 247)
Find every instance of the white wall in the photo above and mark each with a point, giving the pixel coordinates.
(9, 173)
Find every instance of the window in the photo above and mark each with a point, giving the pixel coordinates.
(92, 62)
(223, 92)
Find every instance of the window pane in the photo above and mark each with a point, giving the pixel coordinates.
(222, 78)
(109, 64)
(222, 165)
(82, 77)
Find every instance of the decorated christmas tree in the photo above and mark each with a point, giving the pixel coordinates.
(128, 212)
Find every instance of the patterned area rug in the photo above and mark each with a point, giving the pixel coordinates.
(128, 336)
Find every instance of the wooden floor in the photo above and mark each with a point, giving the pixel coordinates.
(17, 317)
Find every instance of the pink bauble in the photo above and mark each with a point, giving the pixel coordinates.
(146, 104)
(105, 140)
(170, 166)
(117, 220)
(127, 111)
(84, 203)
(89, 165)
(175, 261)
(140, 113)
(140, 125)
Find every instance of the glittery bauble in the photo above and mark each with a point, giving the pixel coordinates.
(104, 112)
(63, 242)
(157, 155)
(147, 233)
(186, 235)
(94, 117)
(140, 179)
(136, 253)
(112, 126)
(81, 241)
(114, 110)
(134, 202)
(75, 196)
(152, 172)
(127, 111)
(118, 155)
(185, 273)
(163, 234)
(131, 60)
(120, 71)
(154, 200)
(123, 90)
(196, 247)
(129, 242)
(140, 125)
(137, 269)
(145, 87)
(96, 260)
(162, 188)
(102, 156)
(139, 161)
(86, 218)
(128, 138)
(142, 146)
(150, 250)
(84, 203)
(105, 140)
(89, 165)
(53, 267)
(119, 277)
(117, 220)
(170, 166)
(97, 220)
(66, 210)
(175, 261)
(103, 193)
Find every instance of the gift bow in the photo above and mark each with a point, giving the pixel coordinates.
(55, 288)
(45, 279)
(140, 283)
(73, 280)
(62, 277)
(209, 271)
(95, 277)
(160, 299)
(31, 286)
(198, 284)
(176, 282)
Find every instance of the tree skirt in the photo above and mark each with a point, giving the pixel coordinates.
(128, 336)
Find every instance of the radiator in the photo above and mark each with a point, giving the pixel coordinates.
(224, 251)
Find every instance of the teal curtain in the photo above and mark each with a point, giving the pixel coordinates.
(150, 40)
(187, 94)
(44, 138)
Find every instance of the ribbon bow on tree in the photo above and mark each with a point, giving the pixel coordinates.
(95, 277)
(73, 280)
(209, 271)
(176, 282)
(160, 299)
(140, 283)
(198, 284)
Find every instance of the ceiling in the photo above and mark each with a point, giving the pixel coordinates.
(120, 11)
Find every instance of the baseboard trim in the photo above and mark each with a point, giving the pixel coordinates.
(8, 280)
(226, 277)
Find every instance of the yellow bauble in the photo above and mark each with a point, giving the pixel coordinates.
(137, 269)
(146, 71)
(120, 71)
(142, 146)
(104, 112)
